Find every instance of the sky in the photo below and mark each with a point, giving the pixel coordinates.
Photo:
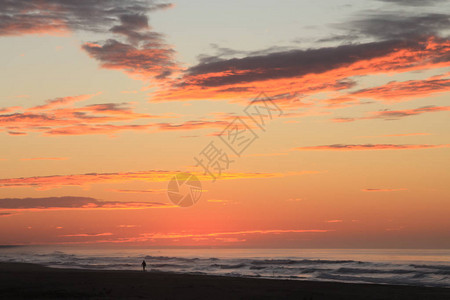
(308, 124)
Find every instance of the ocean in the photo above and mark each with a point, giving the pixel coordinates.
(381, 266)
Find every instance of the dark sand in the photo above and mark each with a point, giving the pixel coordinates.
(27, 281)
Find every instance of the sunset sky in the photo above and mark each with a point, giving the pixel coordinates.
(103, 102)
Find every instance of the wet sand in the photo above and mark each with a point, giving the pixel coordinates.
(28, 281)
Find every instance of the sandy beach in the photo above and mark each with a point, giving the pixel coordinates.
(28, 281)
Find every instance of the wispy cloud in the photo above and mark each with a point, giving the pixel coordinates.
(226, 236)
(87, 234)
(383, 190)
(60, 117)
(67, 202)
(5, 214)
(390, 115)
(244, 232)
(220, 201)
(56, 181)
(394, 91)
(398, 228)
(349, 147)
(151, 59)
(63, 101)
(396, 114)
(191, 125)
(414, 2)
(139, 191)
(397, 134)
(294, 200)
(265, 154)
(44, 158)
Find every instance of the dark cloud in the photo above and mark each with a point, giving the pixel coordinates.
(395, 90)
(399, 25)
(388, 29)
(16, 133)
(414, 2)
(292, 63)
(390, 115)
(223, 53)
(348, 38)
(109, 107)
(150, 59)
(25, 16)
(396, 114)
(67, 203)
(136, 29)
(349, 147)
(84, 129)
(60, 202)
(143, 53)
(191, 125)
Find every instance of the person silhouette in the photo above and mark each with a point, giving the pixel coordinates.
(144, 264)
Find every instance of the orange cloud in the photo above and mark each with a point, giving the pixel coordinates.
(396, 114)
(128, 226)
(192, 125)
(264, 154)
(220, 201)
(398, 134)
(230, 236)
(6, 110)
(383, 190)
(347, 147)
(87, 234)
(294, 200)
(394, 91)
(219, 234)
(139, 191)
(54, 27)
(51, 182)
(141, 52)
(44, 158)
(406, 134)
(53, 119)
(152, 59)
(63, 101)
(72, 203)
(306, 72)
(108, 129)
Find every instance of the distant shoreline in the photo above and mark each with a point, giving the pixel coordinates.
(11, 246)
(23, 280)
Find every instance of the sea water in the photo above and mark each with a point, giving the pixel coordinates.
(404, 266)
